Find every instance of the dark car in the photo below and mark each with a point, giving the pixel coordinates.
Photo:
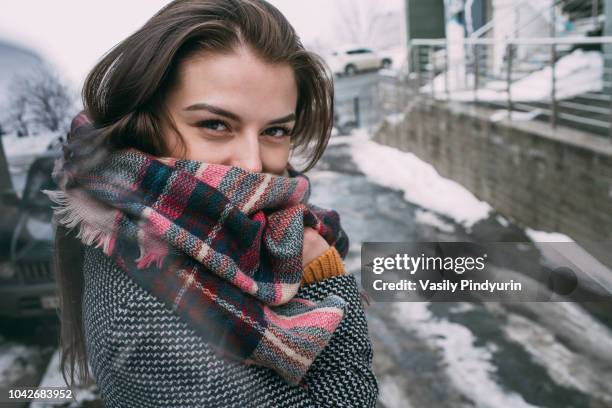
(27, 284)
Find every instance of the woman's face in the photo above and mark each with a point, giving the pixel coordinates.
(234, 110)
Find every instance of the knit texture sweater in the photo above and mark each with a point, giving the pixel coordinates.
(142, 354)
(326, 265)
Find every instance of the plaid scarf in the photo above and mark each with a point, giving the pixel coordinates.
(220, 245)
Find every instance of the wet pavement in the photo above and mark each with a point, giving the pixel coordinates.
(445, 354)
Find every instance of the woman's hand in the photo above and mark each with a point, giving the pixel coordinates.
(314, 245)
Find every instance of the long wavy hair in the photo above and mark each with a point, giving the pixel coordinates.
(124, 96)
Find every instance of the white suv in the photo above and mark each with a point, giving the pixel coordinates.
(349, 61)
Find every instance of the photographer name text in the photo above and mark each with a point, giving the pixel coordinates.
(411, 265)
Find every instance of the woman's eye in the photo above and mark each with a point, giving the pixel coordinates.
(277, 131)
(214, 125)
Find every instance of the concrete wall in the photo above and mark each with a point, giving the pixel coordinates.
(608, 47)
(552, 181)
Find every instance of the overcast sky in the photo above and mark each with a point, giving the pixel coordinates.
(73, 34)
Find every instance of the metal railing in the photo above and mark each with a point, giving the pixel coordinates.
(513, 16)
(506, 76)
(524, 16)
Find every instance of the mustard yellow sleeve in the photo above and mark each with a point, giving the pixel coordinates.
(326, 265)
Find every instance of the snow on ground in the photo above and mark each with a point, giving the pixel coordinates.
(502, 220)
(53, 378)
(543, 236)
(419, 181)
(565, 366)
(17, 361)
(395, 118)
(469, 367)
(576, 73)
(430, 218)
(391, 394)
(461, 307)
(516, 115)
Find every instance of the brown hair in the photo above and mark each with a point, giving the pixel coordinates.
(124, 94)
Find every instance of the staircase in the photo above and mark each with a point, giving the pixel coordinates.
(574, 18)
(589, 112)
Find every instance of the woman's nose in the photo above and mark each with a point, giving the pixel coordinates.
(247, 155)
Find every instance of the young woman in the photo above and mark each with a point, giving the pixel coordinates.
(207, 279)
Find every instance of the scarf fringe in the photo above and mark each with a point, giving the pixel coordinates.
(72, 213)
(152, 249)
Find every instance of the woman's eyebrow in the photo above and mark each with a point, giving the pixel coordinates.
(222, 112)
(288, 118)
(213, 109)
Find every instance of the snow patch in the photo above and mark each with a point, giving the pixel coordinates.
(562, 365)
(468, 367)
(429, 218)
(516, 115)
(16, 362)
(461, 307)
(576, 73)
(419, 180)
(543, 236)
(504, 222)
(53, 378)
(391, 395)
(395, 118)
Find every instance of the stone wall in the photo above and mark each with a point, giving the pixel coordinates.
(558, 181)
(607, 48)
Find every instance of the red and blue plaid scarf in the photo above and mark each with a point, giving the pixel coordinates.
(220, 245)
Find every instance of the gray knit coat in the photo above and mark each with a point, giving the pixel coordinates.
(142, 354)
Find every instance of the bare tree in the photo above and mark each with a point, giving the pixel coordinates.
(40, 98)
(356, 22)
(16, 115)
(6, 183)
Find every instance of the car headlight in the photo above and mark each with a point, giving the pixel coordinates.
(7, 270)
